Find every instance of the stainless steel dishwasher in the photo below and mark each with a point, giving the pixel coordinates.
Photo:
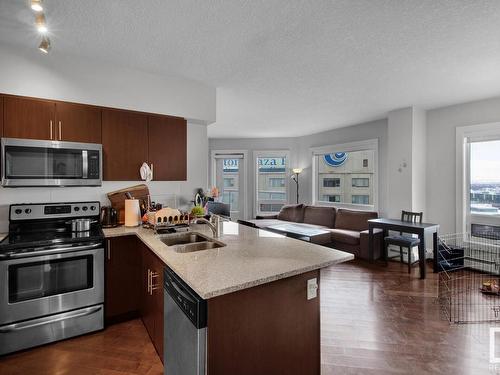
(185, 328)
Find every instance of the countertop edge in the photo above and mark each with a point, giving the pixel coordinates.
(242, 286)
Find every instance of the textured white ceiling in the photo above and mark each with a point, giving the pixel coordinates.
(288, 67)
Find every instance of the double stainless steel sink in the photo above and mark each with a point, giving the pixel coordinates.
(188, 242)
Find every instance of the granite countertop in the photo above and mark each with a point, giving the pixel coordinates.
(251, 257)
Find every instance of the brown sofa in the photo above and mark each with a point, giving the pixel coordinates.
(348, 228)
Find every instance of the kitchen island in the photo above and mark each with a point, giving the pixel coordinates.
(261, 319)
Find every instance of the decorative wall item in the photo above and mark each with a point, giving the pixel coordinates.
(336, 159)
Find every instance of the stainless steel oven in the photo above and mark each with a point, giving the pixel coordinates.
(28, 162)
(49, 283)
(51, 294)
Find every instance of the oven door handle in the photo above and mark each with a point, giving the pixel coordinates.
(56, 250)
(49, 320)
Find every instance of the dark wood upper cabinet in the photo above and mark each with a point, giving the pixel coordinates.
(77, 123)
(129, 138)
(123, 277)
(29, 118)
(125, 144)
(1, 116)
(168, 148)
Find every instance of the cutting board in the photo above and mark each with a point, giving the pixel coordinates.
(117, 199)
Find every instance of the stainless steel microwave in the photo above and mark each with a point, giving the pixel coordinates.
(29, 162)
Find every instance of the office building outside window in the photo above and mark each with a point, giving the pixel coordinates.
(346, 177)
(331, 198)
(271, 181)
(230, 175)
(360, 182)
(331, 182)
(360, 199)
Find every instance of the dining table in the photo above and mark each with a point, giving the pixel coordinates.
(405, 227)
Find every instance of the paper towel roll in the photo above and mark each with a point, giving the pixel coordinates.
(132, 213)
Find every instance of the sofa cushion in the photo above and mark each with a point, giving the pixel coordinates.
(346, 236)
(353, 220)
(324, 216)
(292, 212)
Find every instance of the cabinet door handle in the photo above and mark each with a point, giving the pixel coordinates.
(109, 250)
(149, 281)
(50, 127)
(154, 275)
(60, 131)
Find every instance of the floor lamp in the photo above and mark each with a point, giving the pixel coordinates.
(295, 177)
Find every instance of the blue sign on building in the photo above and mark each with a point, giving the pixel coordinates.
(336, 159)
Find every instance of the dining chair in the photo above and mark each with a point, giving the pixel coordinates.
(405, 240)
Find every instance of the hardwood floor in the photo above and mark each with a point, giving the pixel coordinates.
(381, 320)
(374, 320)
(121, 349)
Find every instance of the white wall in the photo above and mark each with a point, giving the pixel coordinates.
(441, 153)
(399, 162)
(33, 74)
(301, 156)
(419, 162)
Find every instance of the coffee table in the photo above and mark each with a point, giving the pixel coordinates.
(301, 232)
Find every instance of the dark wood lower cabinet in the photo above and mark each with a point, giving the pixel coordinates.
(122, 278)
(134, 286)
(152, 297)
(268, 329)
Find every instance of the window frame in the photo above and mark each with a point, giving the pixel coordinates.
(270, 153)
(369, 144)
(243, 184)
(464, 136)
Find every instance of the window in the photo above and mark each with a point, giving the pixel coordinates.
(485, 178)
(276, 182)
(360, 182)
(271, 180)
(360, 199)
(331, 198)
(267, 195)
(228, 182)
(477, 178)
(346, 174)
(228, 174)
(231, 198)
(331, 182)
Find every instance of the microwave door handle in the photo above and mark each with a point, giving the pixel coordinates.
(85, 162)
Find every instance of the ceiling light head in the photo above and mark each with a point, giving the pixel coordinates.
(44, 45)
(36, 5)
(40, 23)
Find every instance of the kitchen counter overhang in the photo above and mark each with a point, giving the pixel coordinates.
(251, 257)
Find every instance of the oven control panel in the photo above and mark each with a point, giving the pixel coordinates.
(36, 211)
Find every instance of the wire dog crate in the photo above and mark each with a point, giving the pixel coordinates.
(469, 277)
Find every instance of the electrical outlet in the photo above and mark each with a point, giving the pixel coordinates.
(312, 288)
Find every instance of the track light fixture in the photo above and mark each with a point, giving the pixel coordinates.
(40, 23)
(44, 44)
(36, 5)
